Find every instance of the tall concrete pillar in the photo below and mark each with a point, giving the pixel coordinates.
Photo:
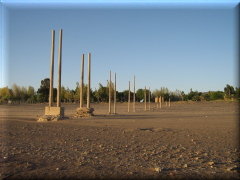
(115, 95)
(59, 69)
(145, 99)
(109, 94)
(134, 107)
(149, 100)
(129, 96)
(160, 102)
(82, 82)
(89, 80)
(51, 69)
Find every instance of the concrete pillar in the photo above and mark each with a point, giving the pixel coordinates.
(129, 96)
(145, 99)
(115, 95)
(169, 103)
(51, 70)
(59, 69)
(134, 99)
(89, 80)
(160, 102)
(82, 83)
(149, 100)
(109, 94)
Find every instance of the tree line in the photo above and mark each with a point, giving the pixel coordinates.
(19, 94)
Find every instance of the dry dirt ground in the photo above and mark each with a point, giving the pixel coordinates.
(187, 140)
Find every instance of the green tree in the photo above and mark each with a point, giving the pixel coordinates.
(139, 95)
(229, 91)
(101, 94)
(43, 91)
(5, 94)
(194, 95)
(16, 92)
(237, 92)
(31, 95)
(206, 96)
(215, 95)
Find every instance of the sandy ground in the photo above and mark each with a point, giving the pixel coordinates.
(187, 140)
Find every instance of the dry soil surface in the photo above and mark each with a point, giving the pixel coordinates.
(186, 140)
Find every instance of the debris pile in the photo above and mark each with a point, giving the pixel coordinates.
(47, 118)
(84, 112)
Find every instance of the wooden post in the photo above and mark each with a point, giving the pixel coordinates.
(89, 80)
(149, 99)
(115, 95)
(81, 83)
(109, 94)
(145, 99)
(51, 70)
(134, 107)
(157, 102)
(129, 96)
(59, 69)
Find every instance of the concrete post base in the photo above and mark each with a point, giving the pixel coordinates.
(54, 111)
(52, 114)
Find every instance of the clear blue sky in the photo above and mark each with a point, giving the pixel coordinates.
(175, 45)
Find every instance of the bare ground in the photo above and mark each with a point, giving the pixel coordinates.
(187, 140)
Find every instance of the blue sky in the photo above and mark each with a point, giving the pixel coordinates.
(179, 46)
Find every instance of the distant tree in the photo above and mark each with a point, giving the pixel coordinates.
(43, 91)
(77, 93)
(237, 93)
(125, 95)
(215, 95)
(31, 95)
(176, 95)
(5, 94)
(139, 95)
(229, 91)
(206, 96)
(156, 93)
(23, 94)
(16, 92)
(194, 95)
(101, 94)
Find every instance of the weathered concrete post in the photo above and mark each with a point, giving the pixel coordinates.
(149, 99)
(51, 70)
(89, 80)
(115, 95)
(54, 113)
(160, 102)
(134, 99)
(129, 96)
(109, 92)
(85, 111)
(81, 83)
(59, 69)
(145, 99)
(169, 103)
